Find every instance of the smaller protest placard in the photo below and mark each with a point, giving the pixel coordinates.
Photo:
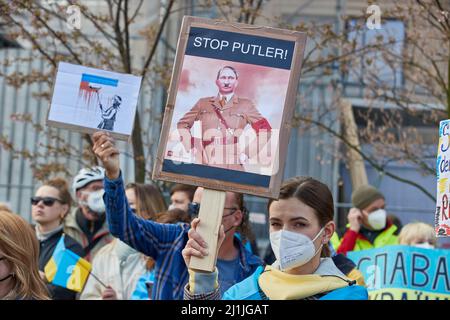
(404, 272)
(442, 215)
(88, 99)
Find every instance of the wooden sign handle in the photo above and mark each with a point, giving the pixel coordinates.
(211, 210)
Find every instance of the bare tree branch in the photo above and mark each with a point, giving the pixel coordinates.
(368, 159)
(158, 37)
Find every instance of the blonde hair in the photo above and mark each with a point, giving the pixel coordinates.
(4, 207)
(20, 247)
(416, 231)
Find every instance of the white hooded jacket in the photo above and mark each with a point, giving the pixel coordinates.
(118, 266)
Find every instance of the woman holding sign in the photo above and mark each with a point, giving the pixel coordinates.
(301, 224)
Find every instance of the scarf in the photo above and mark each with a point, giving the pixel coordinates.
(278, 285)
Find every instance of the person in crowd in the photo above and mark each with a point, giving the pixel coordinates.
(301, 225)
(181, 196)
(87, 222)
(19, 260)
(117, 264)
(49, 206)
(146, 200)
(368, 224)
(418, 234)
(243, 232)
(144, 286)
(165, 242)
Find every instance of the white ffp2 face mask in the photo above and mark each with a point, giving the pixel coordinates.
(293, 249)
(95, 201)
(377, 219)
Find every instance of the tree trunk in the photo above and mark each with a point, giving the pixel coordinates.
(358, 172)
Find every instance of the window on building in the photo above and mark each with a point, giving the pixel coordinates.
(7, 43)
(376, 66)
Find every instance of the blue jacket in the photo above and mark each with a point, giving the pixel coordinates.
(249, 290)
(162, 242)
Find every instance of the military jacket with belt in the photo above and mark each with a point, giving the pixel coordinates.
(224, 129)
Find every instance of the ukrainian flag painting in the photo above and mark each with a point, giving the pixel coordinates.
(67, 269)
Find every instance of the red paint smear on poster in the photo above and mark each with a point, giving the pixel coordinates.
(87, 92)
(184, 80)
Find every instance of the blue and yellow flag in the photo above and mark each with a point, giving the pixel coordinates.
(66, 269)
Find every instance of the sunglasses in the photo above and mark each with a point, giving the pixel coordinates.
(47, 201)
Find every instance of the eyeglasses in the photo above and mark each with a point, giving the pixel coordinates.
(48, 201)
(194, 208)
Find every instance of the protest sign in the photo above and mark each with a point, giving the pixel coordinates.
(88, 100)
(231, 99)
(442, 215)
(227, 119)
(404, 272)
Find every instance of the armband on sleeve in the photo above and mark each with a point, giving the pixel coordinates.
(262, 124)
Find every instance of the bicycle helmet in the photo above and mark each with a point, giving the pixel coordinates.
(86, 176)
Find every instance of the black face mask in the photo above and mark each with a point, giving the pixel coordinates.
(230, 214)
(227, 215)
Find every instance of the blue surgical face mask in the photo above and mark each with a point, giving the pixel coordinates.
(193, 209)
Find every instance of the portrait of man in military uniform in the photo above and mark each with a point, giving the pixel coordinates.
(222, 119)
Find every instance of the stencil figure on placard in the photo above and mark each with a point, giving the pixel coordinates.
(109, 114)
